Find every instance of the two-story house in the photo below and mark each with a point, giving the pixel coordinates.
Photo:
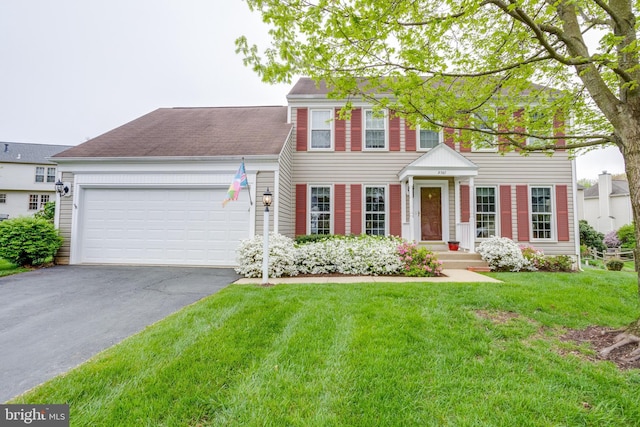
(151, 191)
(27, 177)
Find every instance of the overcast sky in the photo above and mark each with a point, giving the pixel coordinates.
(75, 69)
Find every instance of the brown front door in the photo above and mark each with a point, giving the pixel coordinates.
(431, 213)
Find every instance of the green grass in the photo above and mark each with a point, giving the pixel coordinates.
(6, 268)
(368, 354)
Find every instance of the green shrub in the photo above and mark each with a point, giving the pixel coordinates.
(615, 265)
(419, 261)
(556, 263)
(312, 238)
(47, 212)
(627, 236)
(590, 237)
(28, 240)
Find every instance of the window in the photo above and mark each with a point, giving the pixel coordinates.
(37, 201)
(33, 202)
(429, 139)
(375, 210)
(541, 212)
(485, 212)
(375, 131)
(483, 141)
(321, 129)
(3, 198)
(51, 174)
(39, 174)
(320, 210)
(539, 123)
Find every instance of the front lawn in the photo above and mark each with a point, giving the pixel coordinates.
(6, 268)
(457, 354)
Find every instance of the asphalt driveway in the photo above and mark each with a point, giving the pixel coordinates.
(55, 318)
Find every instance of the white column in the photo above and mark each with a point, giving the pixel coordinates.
(472, 215)
(456, 206)
(412, 226)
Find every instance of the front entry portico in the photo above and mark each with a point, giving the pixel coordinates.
(432, 184)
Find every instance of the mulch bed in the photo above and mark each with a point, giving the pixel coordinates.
(599, 337)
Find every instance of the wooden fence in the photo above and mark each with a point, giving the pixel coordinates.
(615, 253)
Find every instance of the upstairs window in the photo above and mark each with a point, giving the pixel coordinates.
(539, 124)
(483, 141)
(39, 174)
(51, 174)
(320, 210)
(375, 130)
(321, 129)
(428, 139)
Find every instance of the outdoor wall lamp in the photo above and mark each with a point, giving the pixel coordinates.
(267, 199)
(62, 188)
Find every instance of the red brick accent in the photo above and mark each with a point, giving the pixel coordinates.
(562, 210)
(356, 129)
(356, 209)
(559, 127)
(301, 209)
(449, 138)
(340, 132)
(522, 211)
(339, 191)
(409, 138)
(465, 208)
(301, 129)
(394, 133)
(395, 210)
(506, 218)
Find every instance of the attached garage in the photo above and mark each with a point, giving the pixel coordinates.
(150, 192)
(161, 226)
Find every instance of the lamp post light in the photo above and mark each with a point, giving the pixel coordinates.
(267, 199)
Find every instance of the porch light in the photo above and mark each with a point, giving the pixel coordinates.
(267, 199)
(62, 188)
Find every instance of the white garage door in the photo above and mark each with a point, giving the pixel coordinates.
(161, 226)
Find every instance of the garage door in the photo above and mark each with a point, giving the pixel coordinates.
(161, 226)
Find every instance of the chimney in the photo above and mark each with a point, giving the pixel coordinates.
(605, 221)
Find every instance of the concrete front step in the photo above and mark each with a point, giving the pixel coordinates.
(461, 260)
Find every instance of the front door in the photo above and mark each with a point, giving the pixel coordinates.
(431, 213)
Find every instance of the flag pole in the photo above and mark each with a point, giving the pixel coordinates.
(248, 188)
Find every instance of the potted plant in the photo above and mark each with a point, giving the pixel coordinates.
(454, 245)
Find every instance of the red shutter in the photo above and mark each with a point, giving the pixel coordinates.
(356, 209)
(356, 129)
(503, 145)
(301, 129)
(395, 210)
(518, 118)
(448, 138)
(562, 210)
(340, 132)
(506, 218)
(522, 210)
(394, 133)
(301, 209)
(409, 137)
(465, 208)
(339, 209)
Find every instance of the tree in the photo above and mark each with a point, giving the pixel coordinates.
(472, 65)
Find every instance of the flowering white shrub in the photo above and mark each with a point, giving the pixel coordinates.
(502, 254)
(282, 256)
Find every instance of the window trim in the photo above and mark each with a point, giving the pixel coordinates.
(386, 206)
(51, 177)
(43, 175)
(440, 139)
(552, 215)
(331, 206)
(385, 121)
(496, 213)
(311, 129)
(494, 138)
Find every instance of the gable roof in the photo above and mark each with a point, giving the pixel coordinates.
(618, 188)
(192, 132)
(19, 152)
(440, 161)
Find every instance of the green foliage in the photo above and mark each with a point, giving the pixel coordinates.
(590, 237)
(28, 240)
(419, 261)
(47, 212)
(614, 265)
(556, 263)
(627, 236)
(311, 238)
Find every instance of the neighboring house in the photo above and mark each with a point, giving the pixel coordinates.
(151, 191)
(606, 205)
(27, 177)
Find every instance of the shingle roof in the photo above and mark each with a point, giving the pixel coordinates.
(618, 188)
(192, 132)
(20, 152)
